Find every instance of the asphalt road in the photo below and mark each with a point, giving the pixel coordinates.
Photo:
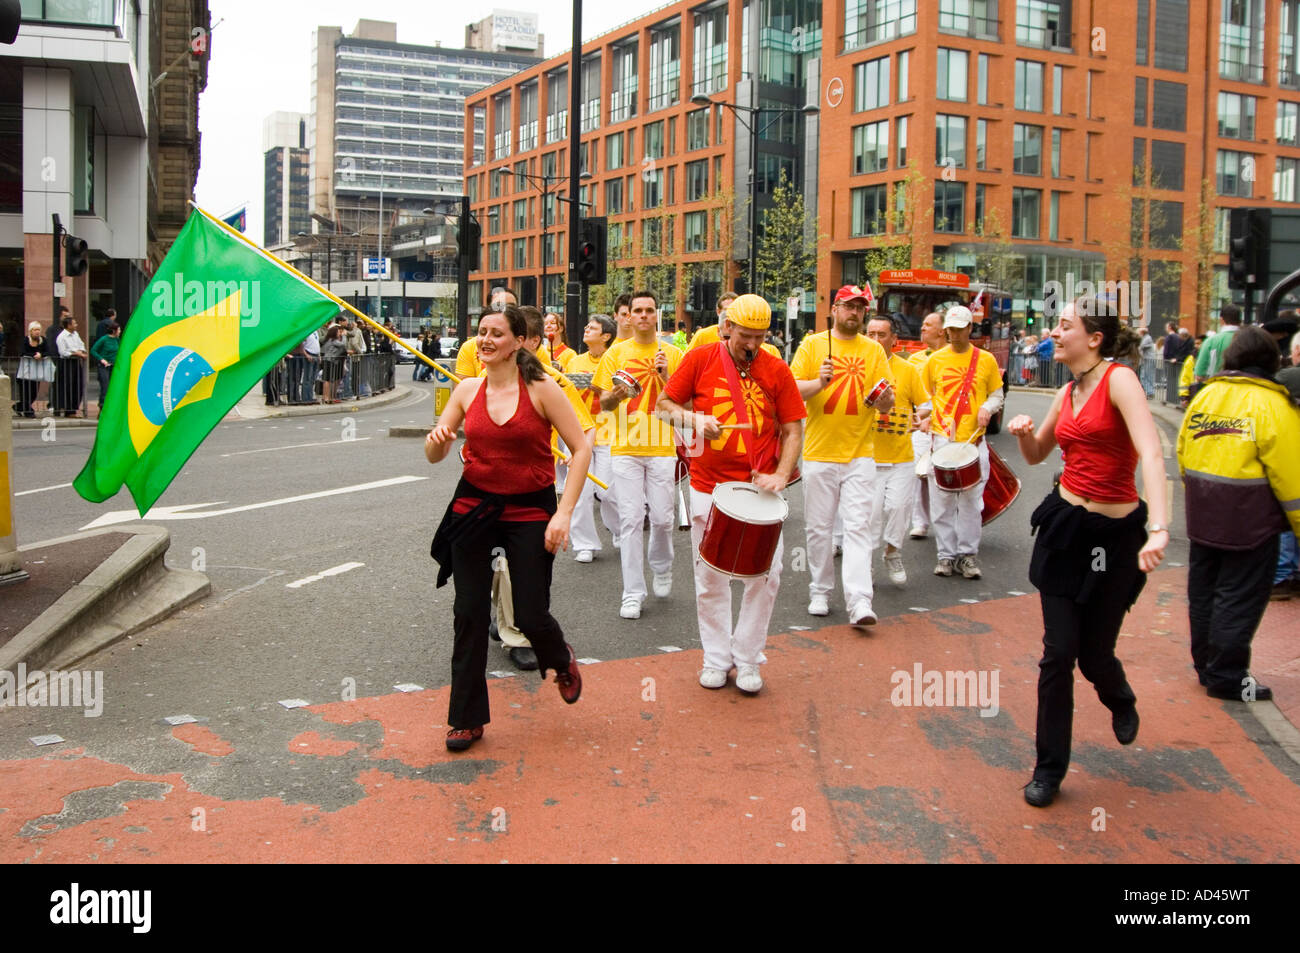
(259, 639)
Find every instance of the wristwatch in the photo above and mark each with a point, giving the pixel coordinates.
(1156, 528)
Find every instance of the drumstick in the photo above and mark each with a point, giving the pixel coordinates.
(735, 426)
(565, 459)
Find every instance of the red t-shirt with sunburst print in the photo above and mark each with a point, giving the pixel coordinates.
(841, 425)
(771, 399)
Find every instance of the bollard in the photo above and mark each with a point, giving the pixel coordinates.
(11, 567)
(442, 388)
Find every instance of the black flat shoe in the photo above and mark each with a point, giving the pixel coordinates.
(1125, 725)
(1040, 793)
(524, 659)
(1262, 693)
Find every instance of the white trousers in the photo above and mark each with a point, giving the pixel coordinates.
(582, 529)
(638, 481)
(921, 490)
(957, 515)
(723, 645)
(846, 490)
(895, 487)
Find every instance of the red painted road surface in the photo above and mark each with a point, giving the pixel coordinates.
(648, 766)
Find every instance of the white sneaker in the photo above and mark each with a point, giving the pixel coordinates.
(584, 556)
(897, 574)
(919, 532)
(663, 585)
(818, 605)
(861, 614)
(748, 680)
(631, 609)
(968, 567)
(713, 678)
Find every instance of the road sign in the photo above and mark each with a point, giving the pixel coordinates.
(373, 266)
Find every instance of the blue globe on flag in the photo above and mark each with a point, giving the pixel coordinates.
(167, 375)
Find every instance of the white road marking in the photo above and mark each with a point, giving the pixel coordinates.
(502, 674)
(588, 661)
(1014, 592)
(800, 628)
(669, 648)
(409, 687)
(57, 486)
(323, 574)
(40, 740)
(180, 720)
(295, 703)
(918, 608)
(971, 602)
(292, 446)
(183, 512)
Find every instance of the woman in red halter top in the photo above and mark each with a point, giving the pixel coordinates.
(505, 505)
(1092, 548)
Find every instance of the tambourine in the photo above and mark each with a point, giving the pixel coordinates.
(629, 383)
(876, 392)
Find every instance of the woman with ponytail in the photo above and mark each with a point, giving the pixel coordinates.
(505, 506)
(1093, 543)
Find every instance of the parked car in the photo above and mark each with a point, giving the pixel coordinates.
(449, 346)
(402, 354)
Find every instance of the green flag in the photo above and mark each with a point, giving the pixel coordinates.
(216, 317)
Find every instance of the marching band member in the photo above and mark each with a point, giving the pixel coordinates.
(835, 370)
(967, 391)
(623, 318)
(598, 335)
(467, 362)
(895, 471)
(505, 500)
(766, 454)
(932, 338)
(561, 353)
(643, 453)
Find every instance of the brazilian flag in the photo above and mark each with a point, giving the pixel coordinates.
(217, 316)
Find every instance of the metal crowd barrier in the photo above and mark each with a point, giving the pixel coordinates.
(71, 390)
(297, 380)
(1159, 379)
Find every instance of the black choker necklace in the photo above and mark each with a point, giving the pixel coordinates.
(1079, 379)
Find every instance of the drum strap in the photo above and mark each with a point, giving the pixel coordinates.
(963, 399)
(737, 398)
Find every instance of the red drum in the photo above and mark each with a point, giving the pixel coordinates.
(628, 381)
(1001, 490)
(956, 466)
(743, 530)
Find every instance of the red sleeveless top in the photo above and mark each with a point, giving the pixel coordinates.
(1100, 458)
(510, 458)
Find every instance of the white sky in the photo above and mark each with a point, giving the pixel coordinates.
(261, 63)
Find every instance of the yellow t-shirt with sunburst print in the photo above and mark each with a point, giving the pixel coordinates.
(841, 425)
(637, 431)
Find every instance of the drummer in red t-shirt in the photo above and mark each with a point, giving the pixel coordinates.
(766, 454)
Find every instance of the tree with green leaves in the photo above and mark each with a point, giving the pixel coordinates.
(901, 229)
(787, 259)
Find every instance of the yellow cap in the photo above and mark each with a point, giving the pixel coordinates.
(750, 311)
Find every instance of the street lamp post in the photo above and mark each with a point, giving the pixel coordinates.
(545, 189)
(700, 99)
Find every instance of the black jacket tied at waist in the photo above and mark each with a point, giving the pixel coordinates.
(459, 527)
(1078, 551)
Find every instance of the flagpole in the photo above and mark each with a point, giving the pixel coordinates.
(373, 324)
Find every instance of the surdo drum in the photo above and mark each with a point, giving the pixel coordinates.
(956, 466)
(743, 530)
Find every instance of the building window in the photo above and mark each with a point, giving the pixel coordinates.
(1288, 44)
(1042, 24)
(1056, 153)
(653, 139)
(904, 74)
(1139, 100)
(1171, 35)
(971, 17)
(1241, 40)
(1143, 34)
(697, 180)
(710, 65)
(557, 106)
(83, 152)
(652, 233)
(981, 143)
(528, 117)
(869, 210)
(952, 74)
(950, 140)
(1284, 179)
(867, 21)
(614, 196)
(1054, 218)
(978, 223)
(501, 127)
(1237, 116)
(1029, 86)
(697, 231)
(697, 129)
(652, 191)
(665, 67)
(623, 80)
(871, 84)
(614, 151)
(1027, 149)
(521, 253)
(949, 206)
(521, 175)
(1284, 127)
(591, 93)
(521, 214)
(1169, 106)
(1025, 212)
(1058, 88)
(871, 147)
(1234, 173)
(982, 79)
(494, 256)
(902, 142)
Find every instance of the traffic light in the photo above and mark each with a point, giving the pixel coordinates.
(1248, 253)
(592, 242)
(468, 235)
(76, 256)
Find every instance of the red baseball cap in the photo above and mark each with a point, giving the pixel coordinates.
(849, 292)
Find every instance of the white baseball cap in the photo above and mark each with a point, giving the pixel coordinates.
(958, 316)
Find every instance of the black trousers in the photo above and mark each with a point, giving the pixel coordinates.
(1227, 593)
(26, 394)
(523, 546)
